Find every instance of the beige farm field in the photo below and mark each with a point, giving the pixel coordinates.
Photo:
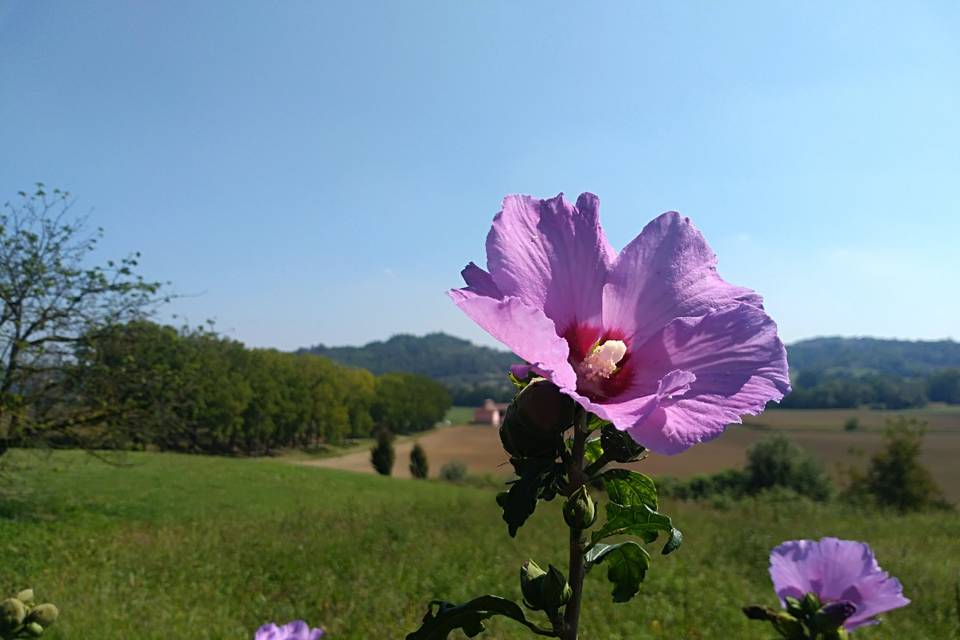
(820, 431)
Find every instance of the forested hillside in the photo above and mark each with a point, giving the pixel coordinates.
(471, 373)
(827, 372)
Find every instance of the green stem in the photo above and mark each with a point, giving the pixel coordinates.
(577, 538)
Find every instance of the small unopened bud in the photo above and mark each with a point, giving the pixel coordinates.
(556, 591)
(757, 612)
(25, 596)
(810, 603)
(43, 614)
(33, 630)
(618, 446)
(12, 613)
(535, 420)
(579, 511)
(531, 584)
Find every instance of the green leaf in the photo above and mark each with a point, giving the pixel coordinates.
(627, 564)
(629, 488)
(592, 451)
(518, 504)
(635, 520)
(594, 423)
(469, 617)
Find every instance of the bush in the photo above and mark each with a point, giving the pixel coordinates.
(852, 424)
(454, 471)
(895, 477)
(418, 462)
(382, 455)
(777, 462)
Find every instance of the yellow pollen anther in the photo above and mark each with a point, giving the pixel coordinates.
(602, 360)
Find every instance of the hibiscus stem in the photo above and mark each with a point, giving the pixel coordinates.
(577, 479)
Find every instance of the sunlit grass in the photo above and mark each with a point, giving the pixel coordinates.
(173, 546)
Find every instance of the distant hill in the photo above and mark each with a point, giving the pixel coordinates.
(862, 356)
(472, 373)
(879, 372)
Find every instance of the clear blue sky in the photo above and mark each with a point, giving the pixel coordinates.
(320, 171)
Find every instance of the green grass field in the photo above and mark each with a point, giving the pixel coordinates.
(173, 546)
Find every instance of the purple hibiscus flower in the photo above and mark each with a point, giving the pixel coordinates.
(836, 571)
(651, 339)
(296, 630)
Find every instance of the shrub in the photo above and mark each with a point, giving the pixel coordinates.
(895, 477)
(382, 455)
(777, 462)
(852, 424)
(418, 462)
(454, 471)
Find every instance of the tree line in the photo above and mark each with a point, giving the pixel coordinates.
(818, 391)
(82, 364)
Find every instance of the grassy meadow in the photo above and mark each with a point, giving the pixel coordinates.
(175, 546)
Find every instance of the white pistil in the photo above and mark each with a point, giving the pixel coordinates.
(601, 362)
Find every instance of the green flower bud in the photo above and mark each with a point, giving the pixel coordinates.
(757, 612)
(788, 626)
(556, 592)
(579, 511)
(43, 614)
(12, 614)
(810, 603)
(34, 630)
(618, 445)
(531, 584)
(25, 596)
(794, 607)
(535, 420)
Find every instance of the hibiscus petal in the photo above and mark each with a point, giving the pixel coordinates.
(737, 362)
(524, 329)
(479, 281)
(666, 272)
(551, 255)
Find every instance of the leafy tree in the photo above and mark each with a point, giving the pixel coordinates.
(419, 468)
(406, 402)
(895, 477)
(51, 301)
(777, 462)
(382, 455)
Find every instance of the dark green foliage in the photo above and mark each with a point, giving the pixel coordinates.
(895, 477)
(851, 424)
(383, 455)
(407, 402)
(471, 373)
(419, 468)
(470, 617)
(944, 386)
(454, 471)
(193, 390)
(777, 462)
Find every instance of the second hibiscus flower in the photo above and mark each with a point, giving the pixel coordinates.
(651, 339)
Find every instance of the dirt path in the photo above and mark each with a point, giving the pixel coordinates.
(478, 447)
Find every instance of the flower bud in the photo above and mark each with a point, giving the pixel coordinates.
(531, 584)
(579, 511)
(33, 630)
(788, 626)
(757, 612)
(25, 596)
(12, 614)
(535, 420)
(556, 592)
(618, 446)
(43, 614)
